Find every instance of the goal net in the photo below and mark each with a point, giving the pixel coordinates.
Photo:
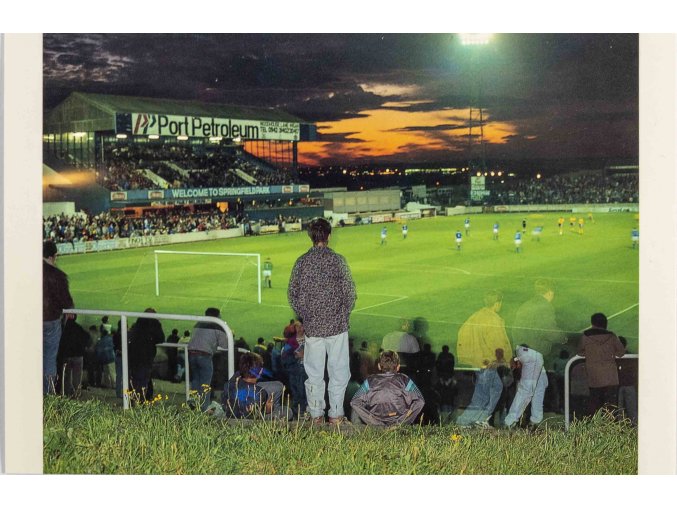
(226, 274)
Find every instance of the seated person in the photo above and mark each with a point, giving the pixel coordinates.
(389, 397)
(245, 397)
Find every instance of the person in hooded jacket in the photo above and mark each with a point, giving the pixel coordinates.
(600, 348)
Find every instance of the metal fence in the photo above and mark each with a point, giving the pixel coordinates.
(567, 383)
(159, 316)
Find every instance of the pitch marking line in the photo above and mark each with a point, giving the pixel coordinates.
(615, 315)
(398, 298)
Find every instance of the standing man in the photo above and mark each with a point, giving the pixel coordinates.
(405, 230)
(478, 339)
(459, 238)
(535, 324)
(466, 224)
(55, 298)
(495, 230)
(384, 233)
(322, 293)
(560, 225)
(600, 348)
(207, 336)
(267, 272)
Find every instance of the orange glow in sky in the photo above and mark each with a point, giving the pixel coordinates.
(388, 132)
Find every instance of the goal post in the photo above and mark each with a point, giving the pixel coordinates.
(224, 254)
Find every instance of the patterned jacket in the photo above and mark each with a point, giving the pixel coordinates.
(322, 292)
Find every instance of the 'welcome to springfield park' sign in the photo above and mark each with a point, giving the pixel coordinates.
(204, 126)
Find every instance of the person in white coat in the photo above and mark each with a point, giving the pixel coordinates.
(530, 388)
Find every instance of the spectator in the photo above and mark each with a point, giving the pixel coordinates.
(535, 323)
(530, 388)
(322, 293)
(292, 361)
(260, 347)
(105, 356)
(627, 386)
(117, 347)
(444, 366)
(478, 339)
(143, 337)
(72, 346)
(425, 366)
(367, 363)
(405, 344)
(207, 337)
(90, 364)
(245, 397)
(172, 356)
(389, 397)
(600, 348)
(55, 298)
(181, 357)
(558, 367)
(505, 374)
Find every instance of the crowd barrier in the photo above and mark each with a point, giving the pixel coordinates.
(581, 381)
(159, 316)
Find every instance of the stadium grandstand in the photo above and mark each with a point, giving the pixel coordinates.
(108, 153)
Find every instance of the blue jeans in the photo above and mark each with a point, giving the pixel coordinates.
(488, 389)
(201, 371)
(332, 350)
(51, 336)
(529, 390)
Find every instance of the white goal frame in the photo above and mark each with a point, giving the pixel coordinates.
(225, 254)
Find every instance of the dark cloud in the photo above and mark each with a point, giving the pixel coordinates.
(575, 92)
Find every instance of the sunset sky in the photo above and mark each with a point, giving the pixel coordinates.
(383, 98)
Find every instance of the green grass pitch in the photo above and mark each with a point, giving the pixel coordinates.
(422, 276)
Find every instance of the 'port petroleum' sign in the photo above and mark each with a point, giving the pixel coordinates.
(202, 126)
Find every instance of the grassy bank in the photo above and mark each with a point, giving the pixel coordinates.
(92, 437)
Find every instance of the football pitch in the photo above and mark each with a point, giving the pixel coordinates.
(423, 278)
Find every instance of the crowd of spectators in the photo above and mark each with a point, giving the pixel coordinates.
(579, 188)
(184, 166)
(106, 225)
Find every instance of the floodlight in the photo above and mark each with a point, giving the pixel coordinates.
(475, 39)
(121, 136)
(153, 136)
(182, 138)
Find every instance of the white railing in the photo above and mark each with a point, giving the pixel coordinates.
(159, 316)
(567, 368)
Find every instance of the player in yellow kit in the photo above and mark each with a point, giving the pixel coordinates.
(560, 225)
(580, 225)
